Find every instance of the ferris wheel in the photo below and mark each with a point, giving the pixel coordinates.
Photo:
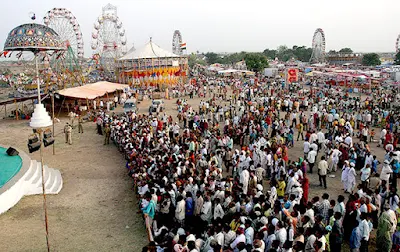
(67, 27)
(177, 42)
(318, 46)
(108, 37)
(398, 43)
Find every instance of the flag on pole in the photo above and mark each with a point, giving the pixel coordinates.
(183, 46)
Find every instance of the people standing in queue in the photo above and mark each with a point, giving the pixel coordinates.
(68, 133)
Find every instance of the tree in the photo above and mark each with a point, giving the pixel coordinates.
(302, 53)
(397, 59)
(213, 58)
(332, 52)
(271, 54)
(193, 59)
(346, 50)
(256, 61)
(371, 59)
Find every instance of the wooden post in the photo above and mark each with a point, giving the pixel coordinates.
(87, 103)
(52, 108)
(16, 110)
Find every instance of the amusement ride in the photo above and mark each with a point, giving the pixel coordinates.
(318, 47)
(66, 66)
(108, 40)
(177, 43)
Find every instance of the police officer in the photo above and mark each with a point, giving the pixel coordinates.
(68, 133)
(80, 122)
(107, 133)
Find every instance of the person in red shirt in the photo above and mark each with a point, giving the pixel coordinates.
(305, 186)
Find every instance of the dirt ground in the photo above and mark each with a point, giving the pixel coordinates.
(96, 209)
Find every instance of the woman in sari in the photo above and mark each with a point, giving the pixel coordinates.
(383, 237)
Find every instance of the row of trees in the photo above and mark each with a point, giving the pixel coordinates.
(257, 61)
(284, 53)
(254, 61)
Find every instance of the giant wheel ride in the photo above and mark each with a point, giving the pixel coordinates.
(398, 43)
(318, 47)
(67, 27)
(108, 39)
(177, 42)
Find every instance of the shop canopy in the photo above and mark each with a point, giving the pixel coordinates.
(92, 91)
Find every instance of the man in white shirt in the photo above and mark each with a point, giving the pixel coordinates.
(280, 233)
(313, 137)
(321, 138)
(382, 137)
(229, 236)
(349, 141)
(219, 237)
(322, 171)
(206, 213)
(306, 146)
(365, 231)
(310, 240)
(218, 211)
(311, 157)
(291, 183)
(314, 146)
(249, 233)
(386, 171)
(239, 238)
(365, 173)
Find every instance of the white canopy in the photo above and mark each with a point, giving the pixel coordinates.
(148, 51)
(228, 71)
(92, 91)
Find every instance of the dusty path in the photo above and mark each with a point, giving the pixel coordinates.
(95, 210)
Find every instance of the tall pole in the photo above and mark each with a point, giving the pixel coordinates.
(52, 107)
(44, 189)
(37, 77)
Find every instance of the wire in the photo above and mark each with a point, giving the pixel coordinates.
(151, 44)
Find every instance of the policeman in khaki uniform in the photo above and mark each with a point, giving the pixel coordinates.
(68, 133)
(107, 133)
(80, 122)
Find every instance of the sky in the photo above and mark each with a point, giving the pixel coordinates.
(231, 26)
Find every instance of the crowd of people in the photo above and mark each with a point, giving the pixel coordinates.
(219, 176)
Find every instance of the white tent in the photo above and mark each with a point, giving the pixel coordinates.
(148, 51)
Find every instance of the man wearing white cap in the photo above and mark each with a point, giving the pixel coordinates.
(351, 178)
(386, 171)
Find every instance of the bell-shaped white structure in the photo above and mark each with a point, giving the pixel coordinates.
(40, 117)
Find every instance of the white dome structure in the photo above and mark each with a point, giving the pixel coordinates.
(40, 118)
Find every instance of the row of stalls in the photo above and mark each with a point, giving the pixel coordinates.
(236, 73)
(352, 79)
(79, 100)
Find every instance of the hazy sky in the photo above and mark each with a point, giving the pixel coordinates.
(228, 26)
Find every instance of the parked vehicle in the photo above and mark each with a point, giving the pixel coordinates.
(130, 105)
(156, 106)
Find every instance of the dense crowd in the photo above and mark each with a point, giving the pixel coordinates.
(219, 177)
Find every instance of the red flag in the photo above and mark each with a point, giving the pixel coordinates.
(5, 53)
